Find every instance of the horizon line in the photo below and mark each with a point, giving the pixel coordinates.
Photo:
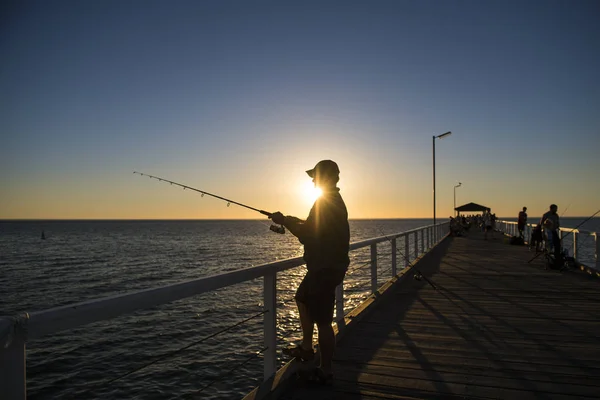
(223, 219)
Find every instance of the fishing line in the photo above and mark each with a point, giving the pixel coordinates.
(170, 354)
(274, 228)
(419, 275)
(568, 233)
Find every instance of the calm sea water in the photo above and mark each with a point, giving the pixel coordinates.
(83, 260)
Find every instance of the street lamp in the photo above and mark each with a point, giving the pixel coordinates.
(443, 135)
(455, 197)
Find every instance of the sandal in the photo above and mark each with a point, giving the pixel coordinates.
(319, 377)
(299, 352)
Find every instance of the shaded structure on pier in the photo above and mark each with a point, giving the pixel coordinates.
(471, 207)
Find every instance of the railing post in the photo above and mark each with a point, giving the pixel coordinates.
(406, 252)
(575, 244)
(416, 245)
(422, 242)
(270, 324)
(430, 236)
(394, 258)
(374, 268)
(339, 303)
(12, 361)
(597, 252)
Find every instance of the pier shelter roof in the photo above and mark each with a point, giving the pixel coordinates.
(472, 207)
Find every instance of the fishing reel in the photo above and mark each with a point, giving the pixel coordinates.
(277, 228)
(417, 276)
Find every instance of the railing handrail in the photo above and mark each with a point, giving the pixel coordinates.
(15, 332)
(561, 228)
(510, 228)
(70, 316)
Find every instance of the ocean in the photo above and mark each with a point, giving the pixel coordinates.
(84, 260)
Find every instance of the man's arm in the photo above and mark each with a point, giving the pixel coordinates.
(543, 219)
(303, 230)
(297, 227)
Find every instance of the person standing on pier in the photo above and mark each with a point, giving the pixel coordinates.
(487, 224)
(551, 223)
(325, 235)
(522, 221)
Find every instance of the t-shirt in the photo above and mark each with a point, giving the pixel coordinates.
(487, 220)
(522, 217)
(550, 220)
(325, 234)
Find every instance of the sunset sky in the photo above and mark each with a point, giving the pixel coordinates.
(239, 98)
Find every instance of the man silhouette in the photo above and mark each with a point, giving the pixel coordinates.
(522, 221)
(551, 223)
(325, 235)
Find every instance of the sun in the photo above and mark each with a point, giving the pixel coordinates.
(310, 192)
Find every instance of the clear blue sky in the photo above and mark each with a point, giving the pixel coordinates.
(240, 97)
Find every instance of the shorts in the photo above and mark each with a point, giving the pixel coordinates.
(521, 227)
(488, 228)
(317, 292)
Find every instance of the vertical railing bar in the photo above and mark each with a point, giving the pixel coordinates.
(406, 251)
(575, 244)
(430, 236)
(13, 378)
(394, 260)
(270, 324)
(374, 268)
(597, 252)
(421, 243)
(416, 244)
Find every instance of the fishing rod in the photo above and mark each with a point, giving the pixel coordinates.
(568, 233)
(274, 228)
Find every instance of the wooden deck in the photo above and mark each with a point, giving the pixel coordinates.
(497, 327)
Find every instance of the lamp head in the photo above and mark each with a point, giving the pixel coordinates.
(443, 135)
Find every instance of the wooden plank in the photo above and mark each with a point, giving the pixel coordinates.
(446, 359)
(499, 327)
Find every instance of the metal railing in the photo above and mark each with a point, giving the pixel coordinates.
(16, 331)
(511, 228)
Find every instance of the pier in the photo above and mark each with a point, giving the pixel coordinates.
(491, 324)
(496, 327)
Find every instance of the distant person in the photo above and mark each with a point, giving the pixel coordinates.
(487, 224)
(551, 223)
(326, 238)
(537, 238)
(522, 221)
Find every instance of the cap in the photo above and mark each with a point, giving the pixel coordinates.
(324, 167)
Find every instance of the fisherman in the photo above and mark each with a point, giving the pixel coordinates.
(551, 223)
(325, 235)
(522, 221)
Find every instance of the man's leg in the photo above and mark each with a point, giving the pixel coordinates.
(326, 346)
(556, 244)
(307, 325)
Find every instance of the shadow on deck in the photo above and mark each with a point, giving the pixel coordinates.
(497, 327)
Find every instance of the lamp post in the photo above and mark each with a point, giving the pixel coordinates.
(436, 137)
(455, 197)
